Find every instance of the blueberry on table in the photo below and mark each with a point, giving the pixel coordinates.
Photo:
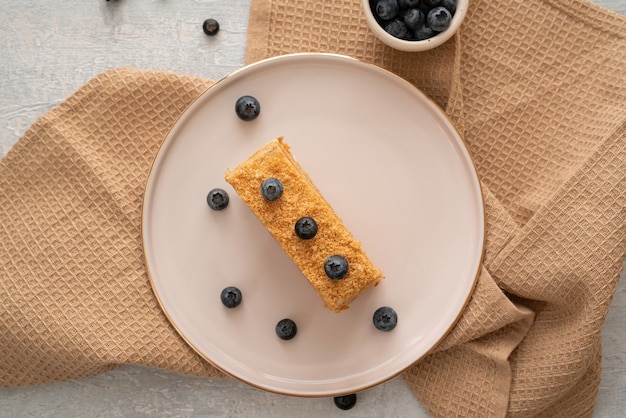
(211, 27)
(387, 9)
(336, 267)
(439, 18)
(385, 318)
(217, 199)
(345, 402)
(231, 297)
(272, 188)
(286, 329)
(306, 227)
(247, 108)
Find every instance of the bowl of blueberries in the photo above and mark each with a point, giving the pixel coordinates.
(414, 25)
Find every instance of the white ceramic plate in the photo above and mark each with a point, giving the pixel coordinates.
(391, 165)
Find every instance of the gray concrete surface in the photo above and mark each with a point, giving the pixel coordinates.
(47, 51)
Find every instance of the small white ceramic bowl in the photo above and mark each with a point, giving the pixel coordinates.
(415, 46)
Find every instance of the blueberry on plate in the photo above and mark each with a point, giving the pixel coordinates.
(217, 199)
(231, 297)
(272, 188)
(306, 227)
(438, 19)
(336, 267)
(247, 108)
(387, 9)
(385, 318)
(286, 329)
(211, 27)
(345, 402)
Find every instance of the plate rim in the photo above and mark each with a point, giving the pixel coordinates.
(167, 137)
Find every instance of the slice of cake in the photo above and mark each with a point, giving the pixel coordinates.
(284, 198)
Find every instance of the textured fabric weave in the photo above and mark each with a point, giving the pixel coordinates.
(536, 89)
(76, 299)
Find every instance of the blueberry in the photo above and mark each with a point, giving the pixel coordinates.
(217, 199)
(431, 3)
(247, 108)
(336, 267)
(397, 28)
(231, 297)
(408, 4)
(286, 329)
(272, 188)
(385, 318)
(414, 18)
(450, 5)
(306, 227)
(423, 33)
(345, 402)
(439, 18)
(387, 9)
(211, 27)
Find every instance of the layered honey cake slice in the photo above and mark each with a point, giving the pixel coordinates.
(286, 201)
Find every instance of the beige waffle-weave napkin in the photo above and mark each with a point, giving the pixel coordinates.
(536, 88)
